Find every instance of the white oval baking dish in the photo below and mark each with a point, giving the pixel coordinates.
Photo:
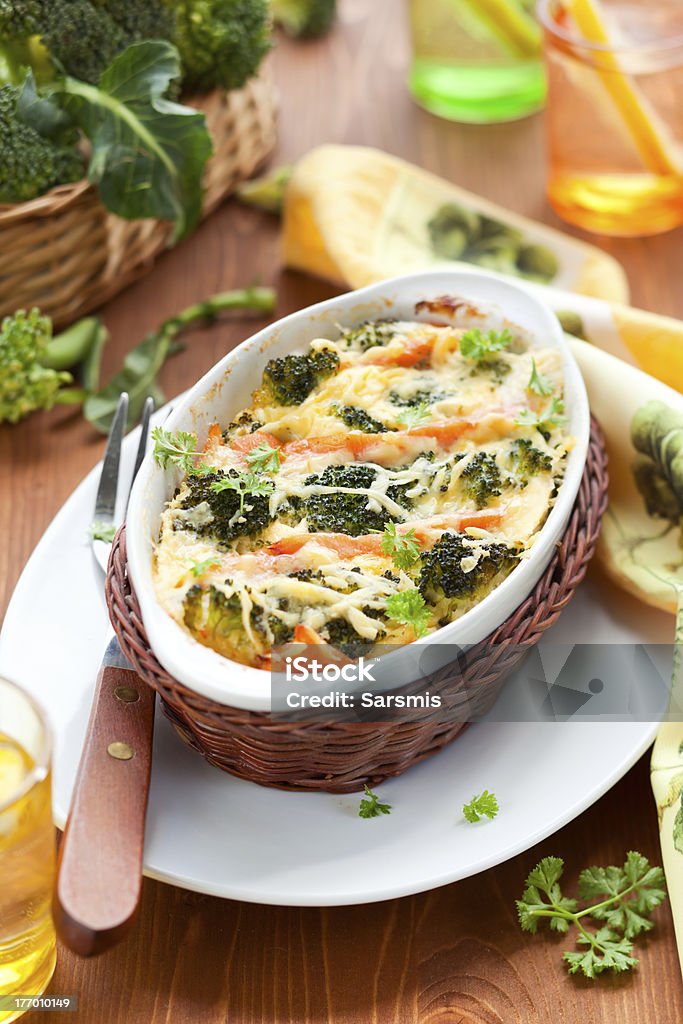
(226, 389)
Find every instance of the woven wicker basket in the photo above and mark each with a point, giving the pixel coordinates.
(341, 756)
(65, 253)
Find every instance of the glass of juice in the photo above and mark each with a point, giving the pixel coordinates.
(615, 115)
(476, 60)
(27, 852)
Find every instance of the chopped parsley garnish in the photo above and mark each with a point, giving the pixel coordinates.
(483, 804)
(476, 346)
(402, 547)
(371, 807)
(409, 608)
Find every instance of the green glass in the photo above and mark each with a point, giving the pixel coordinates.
(476, 60)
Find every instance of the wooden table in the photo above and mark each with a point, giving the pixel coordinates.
(453, 955)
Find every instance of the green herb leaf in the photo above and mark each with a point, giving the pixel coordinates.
(623, 898)
(179, 449)
(371, 807)
(484, 804)
(264, 459)
(408, 607)
(402, 547)
(546, 422)
(538, 383)
(148, 153)
(245, 484)
(100, 530)
(414, 416)
(199, 568)
(476, 346)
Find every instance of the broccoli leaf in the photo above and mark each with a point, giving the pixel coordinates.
(148, 153)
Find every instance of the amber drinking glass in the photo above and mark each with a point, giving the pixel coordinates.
(27, 852)
(615, 114)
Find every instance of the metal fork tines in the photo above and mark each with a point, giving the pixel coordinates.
(105, 501)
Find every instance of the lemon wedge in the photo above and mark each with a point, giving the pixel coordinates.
(646, 128)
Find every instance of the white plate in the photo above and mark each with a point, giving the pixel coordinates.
(212, 833)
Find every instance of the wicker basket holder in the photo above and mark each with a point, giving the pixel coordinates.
(341, 756)
(65, 253)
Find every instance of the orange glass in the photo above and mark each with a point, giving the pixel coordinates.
(615, 115)
(27, 852)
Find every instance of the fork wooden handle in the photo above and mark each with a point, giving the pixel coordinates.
(99, 875)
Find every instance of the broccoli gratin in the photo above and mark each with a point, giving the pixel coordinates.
(379, 485)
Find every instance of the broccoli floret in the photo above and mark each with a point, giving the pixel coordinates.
(84, 36)
(528, 460)
(344, 637)
(481, 479)
(221, 516)
(304, 19)
(30, 164)
(221, 42)
(347, 513)
(371, 334)
(442, 574)
(359, 419)
(214, 619)
(33, 364)
(289, 380)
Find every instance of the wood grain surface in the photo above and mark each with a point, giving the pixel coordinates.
(453, 956)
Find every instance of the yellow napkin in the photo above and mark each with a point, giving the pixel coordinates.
(356, 215)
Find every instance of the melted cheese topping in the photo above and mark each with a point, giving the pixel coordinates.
(398, 436)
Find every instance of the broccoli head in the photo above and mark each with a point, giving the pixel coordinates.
(481, 480)
(25, 384)
(221, 42)
(442, 573)
(359, 419)
(528, 460)
(290, 379)
(304, 19)
(30, 164)
(224, 514)
(84, 36)
(347, 513)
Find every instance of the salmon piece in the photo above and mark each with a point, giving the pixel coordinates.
(247, 442)
(371, 543)
(415, 351)
(213, 437)
(360, 445)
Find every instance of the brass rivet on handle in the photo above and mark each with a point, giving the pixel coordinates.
(121, 751)
(126, 694)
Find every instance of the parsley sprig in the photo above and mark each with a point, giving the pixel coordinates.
(622, 898)
(538, 382)
(408, 606)
(484, 804)
(245, 484)
(475, 346)
(179, 449)
(264, 458)
(544, 422)
(403, 547)
(100, 530)
(371, 807)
